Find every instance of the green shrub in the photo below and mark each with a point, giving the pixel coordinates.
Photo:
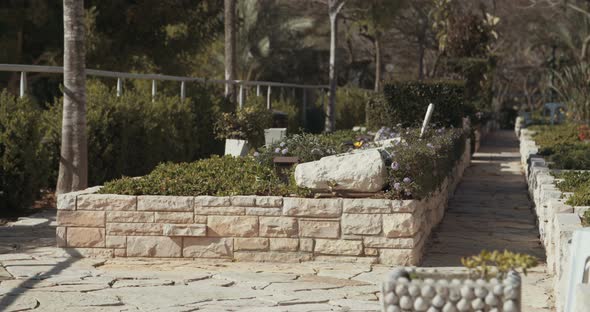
(586, 218)
(572, 180)
(419, 166)
(247, 123)
(23, 159)
(568, 156)
(217, 176)
(581, 196)
(351, 107)
(549, 136)
(497, 264)
(478, 76)
(131, 134)
(308, 147)
(406, 102)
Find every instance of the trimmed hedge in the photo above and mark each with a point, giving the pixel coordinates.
(217, 176)
(405, 103)
(562, 146)
(131, 134)
(23, 158)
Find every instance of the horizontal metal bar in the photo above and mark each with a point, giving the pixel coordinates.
(112, 74)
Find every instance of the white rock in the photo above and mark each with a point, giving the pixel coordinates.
(357, 172)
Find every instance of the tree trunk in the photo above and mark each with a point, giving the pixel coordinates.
(230, 48)
(377, 63)
(420, 61)
(334, 7)
(73, 165)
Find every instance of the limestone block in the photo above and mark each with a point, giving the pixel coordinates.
(405, 205)
(207, 247)
(319, 228)
(338, 247)
(394, 243)
(243, 201)
(367, 224)
(232, 226)
(256, 243)
(366, 205)
(60, 236)
(355, 172)
(212, 201)
(134, 229)
(399, 257)
(165, 203)
(269, 201)
(306, 244)
(272, 256)
(278, 227)
(80, 218)
(120, 252)
(371, 252)
(154, 246)
(284, 244)
(220, 211)
(199, 219)
(400, 225)
(175, 217)
(346, 259)
(116, 241)
(311, 207)
(263, 211)
(66, 201)
(130, 216)
(85, 237)
(185, 230)
(106, 202)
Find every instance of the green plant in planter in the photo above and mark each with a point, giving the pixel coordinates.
(247, 123)
(497, 264)
(586, 218)
(572, 180)
(581, 196)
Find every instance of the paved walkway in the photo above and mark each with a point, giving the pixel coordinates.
(491, 210)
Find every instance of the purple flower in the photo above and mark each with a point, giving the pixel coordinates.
(277, 150)
(407, 180)
(285, 151)
(397, 186)
(256, 154)
(408, 193)
(394, 165)
(282, 144)
(430, 145)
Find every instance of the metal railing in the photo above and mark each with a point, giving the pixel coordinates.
(24, 69)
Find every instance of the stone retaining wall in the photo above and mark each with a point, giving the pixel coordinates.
(557, 221)
(253, 228)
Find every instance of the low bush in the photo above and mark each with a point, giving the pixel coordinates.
(131, 134)
(217, 176)
(419, 166)
(247, 123)
(406, 102)
(572, 180)
(23, 158)
(351, 107)
(549, 136)
(562, 146)
(581, 196)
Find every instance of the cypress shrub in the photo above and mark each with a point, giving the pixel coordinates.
(23, 159)
(406, 102)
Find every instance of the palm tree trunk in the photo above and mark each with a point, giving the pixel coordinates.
(73, 165)
(230, 48)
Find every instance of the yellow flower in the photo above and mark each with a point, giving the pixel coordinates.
(358, 144)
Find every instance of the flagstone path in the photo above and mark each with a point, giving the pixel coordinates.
(491, 210)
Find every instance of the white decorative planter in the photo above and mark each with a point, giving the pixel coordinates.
(236, 147)
(274, 135)
(427, 290)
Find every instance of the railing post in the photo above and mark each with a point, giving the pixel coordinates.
(153, 90)
(304, 110)
(257, 90)
(182, 91)
(268, 105)
(241, 96)
(23, 84)
(119, 87)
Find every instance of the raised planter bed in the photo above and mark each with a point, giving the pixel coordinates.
(253, 228)
(556, 220)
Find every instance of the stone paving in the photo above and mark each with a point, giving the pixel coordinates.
(491, 210)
